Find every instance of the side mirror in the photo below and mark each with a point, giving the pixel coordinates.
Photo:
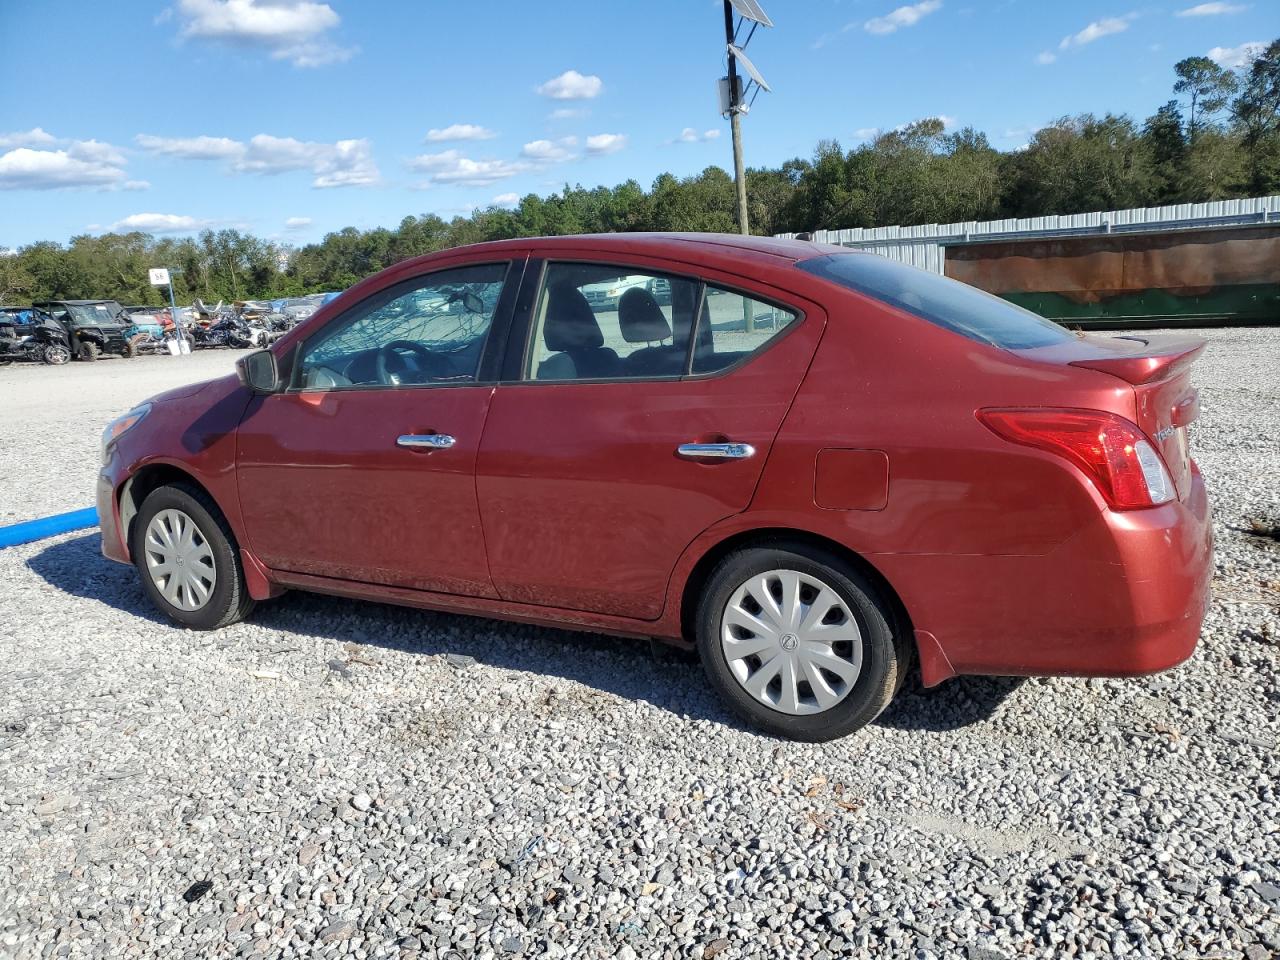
(472, 303)
(258, 372)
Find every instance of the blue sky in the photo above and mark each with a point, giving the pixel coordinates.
(292, 118)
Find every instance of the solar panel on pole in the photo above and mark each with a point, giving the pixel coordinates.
(750, 10)
(752, 72)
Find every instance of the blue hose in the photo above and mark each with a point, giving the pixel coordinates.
(16, 533)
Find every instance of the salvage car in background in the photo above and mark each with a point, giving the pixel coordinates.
(94, 327)
(30, 334)
(812, 464)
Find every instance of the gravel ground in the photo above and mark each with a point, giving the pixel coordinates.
(61, 411)
(349, 779)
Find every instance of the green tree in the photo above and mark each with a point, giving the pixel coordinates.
(1257, 112)
(1167, 149)
(1207, 87)
(15, 281)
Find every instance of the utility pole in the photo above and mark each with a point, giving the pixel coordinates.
(735, 122)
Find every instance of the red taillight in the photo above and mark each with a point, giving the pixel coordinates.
(1111, 451)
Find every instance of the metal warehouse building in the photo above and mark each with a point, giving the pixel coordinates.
(1191, 262)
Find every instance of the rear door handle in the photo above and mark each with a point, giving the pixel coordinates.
(715, 451)
(427, 441)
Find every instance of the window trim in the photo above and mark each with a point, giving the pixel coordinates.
(512, 281)
(534, 282)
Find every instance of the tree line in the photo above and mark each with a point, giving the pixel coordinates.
(1219, 138)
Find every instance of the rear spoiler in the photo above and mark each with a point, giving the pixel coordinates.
(1153, 358)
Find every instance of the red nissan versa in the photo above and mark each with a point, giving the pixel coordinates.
(811, 464)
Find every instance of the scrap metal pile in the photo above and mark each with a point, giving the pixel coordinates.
(55, 332)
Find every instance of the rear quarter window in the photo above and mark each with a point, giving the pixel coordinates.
(947, 303)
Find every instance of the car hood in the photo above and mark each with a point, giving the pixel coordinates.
(192, 389)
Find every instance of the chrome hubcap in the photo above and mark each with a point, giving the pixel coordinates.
(791, 642)
(180, 560)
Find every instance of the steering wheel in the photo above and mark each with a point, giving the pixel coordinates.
(392, 363)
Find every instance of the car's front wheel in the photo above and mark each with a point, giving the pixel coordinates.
(188, 559)
(798, 642)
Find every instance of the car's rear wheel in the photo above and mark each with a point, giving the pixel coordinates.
(188, 559)
(798, 642)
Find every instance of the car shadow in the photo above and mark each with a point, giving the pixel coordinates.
(663, 676)
(957, 703)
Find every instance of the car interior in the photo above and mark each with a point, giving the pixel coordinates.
(638, 335)
(593, 322)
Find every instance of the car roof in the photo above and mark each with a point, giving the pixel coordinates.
(671, 243)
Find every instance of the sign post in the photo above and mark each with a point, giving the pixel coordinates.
(160, 278)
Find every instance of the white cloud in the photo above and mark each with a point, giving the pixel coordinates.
(572, 85)
(567, 113)
(136, 185)
(159, 223)
(346, 163)
(1212, 9)
(81, 163)
(192, 148)
(293, 30)
(866, 133)
(34, 137)
(1046, 57)
(95, 151)
(548, 151)
(603, 143)
(460, 131)
(507, 200)
(450, 166)
(1232, 57)
(907, 16)
(1096, 30)
(350, 164)
(297, 223)
(691, 135)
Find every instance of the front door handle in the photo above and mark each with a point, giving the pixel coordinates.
(426, 441)
(715, 451)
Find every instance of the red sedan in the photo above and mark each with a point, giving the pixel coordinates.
(814, 465)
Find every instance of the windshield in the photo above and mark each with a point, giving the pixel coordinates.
(950, 304)
(94, 314)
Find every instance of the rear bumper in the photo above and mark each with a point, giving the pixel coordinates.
(1125, 596)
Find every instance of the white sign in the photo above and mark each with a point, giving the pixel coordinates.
(159, 277)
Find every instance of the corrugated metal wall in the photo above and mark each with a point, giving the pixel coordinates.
(924, 245)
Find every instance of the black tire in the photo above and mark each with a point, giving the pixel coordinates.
(230, 601)
(89, 351)
(885, 655)
(131, 345)
(55, 354)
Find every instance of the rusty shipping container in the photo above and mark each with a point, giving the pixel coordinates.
(1203, 275)
(1192, 263)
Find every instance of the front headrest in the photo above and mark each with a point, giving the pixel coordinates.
(570, 324)
(640, 318)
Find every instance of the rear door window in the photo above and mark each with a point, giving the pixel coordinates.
(602, 322)
(733, 327)
(948, 303)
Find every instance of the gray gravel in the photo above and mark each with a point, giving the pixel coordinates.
(57, 414)
(349, 779)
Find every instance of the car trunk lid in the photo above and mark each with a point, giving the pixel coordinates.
(1158, 366)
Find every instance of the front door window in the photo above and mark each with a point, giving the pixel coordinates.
(430, 330)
